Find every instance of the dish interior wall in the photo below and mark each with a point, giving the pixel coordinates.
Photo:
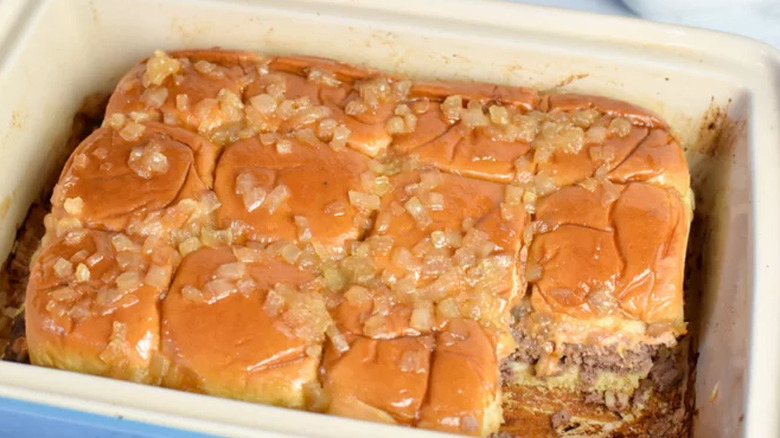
(72, 49)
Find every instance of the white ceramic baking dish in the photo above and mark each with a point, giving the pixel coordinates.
(55, 52)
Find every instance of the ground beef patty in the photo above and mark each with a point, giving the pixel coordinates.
(592, 360)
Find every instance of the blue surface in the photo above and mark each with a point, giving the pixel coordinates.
(25, 419)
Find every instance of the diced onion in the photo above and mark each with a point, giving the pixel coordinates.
(80, 161)
(596, 134)
(121, 242)
(208, 69)
(63, 268)
(304, 232)
(141, 116)
(358, 295)
(246, 254)
(529, 200)
(117, 121)
(404, 258)
(189, 245)
(274, 301)
(246, 286)
(355, 108)
(284, 147)
(533, 272)
(290, 253)
(130, 261)
(231, 271)
(251, 194)
(216, 238)
(473, 116)
(364, 201)
(619, 127)
(340, 137)
(276, 198)
(324, 77)
(64, 294)
(193, 294)
(338, 340)
(498, 115)
(381, 185)
(544, 184)
(451, 107)
(417, 210)
(73, 206)
(513, 195)
(334, 279)
(154, 97)
(158, 276)
(264, 103)
(447, 309)
(158, 68)
(395, 125)
(439, 239)
(219, 288)
(128, 281)
(422, 316)
(182, 102)
(75, 237)
(132, 131)
(435, 201)
(585, 118)
(148, 161)
(325, 129)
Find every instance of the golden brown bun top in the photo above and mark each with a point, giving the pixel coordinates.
(87, 304)
(318, 203)
(317, 178)
(381, 380)
(447, 382)
(218, 324)
(638, 233)
(464, 379)
(186, 92)
(112, 175)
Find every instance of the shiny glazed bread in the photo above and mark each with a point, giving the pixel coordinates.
(315, 235)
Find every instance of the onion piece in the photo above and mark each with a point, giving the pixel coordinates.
(231, 271)
(189, 245)
(158, 68)
(148, 161)
(73, 206)
(132, 131)
(422, 316)
(276, 198)
(451, 107)
(417, 210)
(121, 242)
(128, 281)
(364, 201)
(158, 276)
(63, 269)
(338, 340)
(304, 232)
(193, 294)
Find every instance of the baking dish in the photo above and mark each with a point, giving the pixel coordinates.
(718, 93)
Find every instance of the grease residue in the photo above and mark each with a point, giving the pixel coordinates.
(5, 205)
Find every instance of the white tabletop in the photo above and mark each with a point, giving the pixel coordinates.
(758, 19)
